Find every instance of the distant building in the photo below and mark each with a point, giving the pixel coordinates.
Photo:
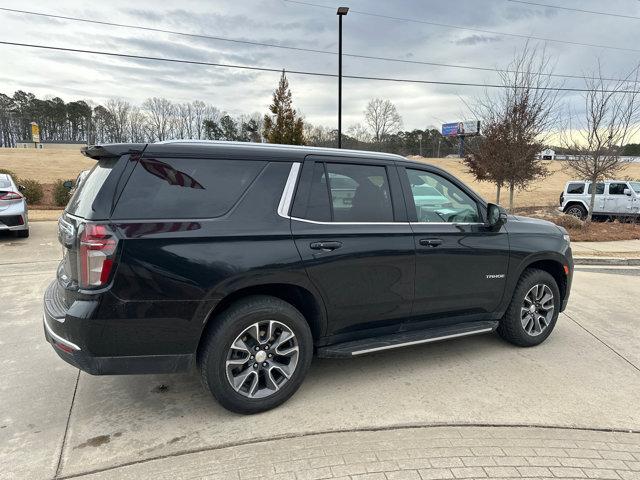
(547, 154)
(58, 145)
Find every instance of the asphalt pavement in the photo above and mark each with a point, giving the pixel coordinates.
(582, 385)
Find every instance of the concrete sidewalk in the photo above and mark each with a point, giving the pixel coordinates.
(622, 252)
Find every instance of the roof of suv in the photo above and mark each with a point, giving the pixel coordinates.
(284, 152)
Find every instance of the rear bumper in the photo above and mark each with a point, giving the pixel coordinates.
(14, 217)
(67, 334)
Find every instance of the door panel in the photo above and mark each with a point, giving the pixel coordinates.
(461, 265)
(465, 273)
(616, 200)
(365, 283)
(357, 246)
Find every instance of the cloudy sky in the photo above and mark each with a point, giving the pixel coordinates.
(83, 76)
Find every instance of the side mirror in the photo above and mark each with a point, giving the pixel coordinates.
(21, 188)
(627, 191)
(68, 184)
(496, 216)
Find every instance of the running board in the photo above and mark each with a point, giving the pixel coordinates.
(405, 339)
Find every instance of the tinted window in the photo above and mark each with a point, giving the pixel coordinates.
(575, 188)
(599, 188)
(359, 193)
(617, 188)
(438, 200)
(81, 203)
(184, 188)
(318, 206)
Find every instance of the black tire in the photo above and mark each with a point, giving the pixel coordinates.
(576, 210)
(22, 233)
(231, 323)
(511, 328)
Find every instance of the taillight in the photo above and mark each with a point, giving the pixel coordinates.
(10, 196)
(97, 250)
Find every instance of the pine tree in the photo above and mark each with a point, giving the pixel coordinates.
(284, 125)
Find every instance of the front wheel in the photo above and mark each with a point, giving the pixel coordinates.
(533, 311)
(257, 354)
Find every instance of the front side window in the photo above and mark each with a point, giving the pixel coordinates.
(438, 200)
(575, 188)
(599, 188)
(617, 188)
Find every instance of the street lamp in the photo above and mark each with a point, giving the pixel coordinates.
(342, 11)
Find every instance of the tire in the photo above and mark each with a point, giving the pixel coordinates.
(236, 326)
(22, 233)
(518, 328)
(577, 211)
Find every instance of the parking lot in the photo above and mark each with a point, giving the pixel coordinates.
(57, 422)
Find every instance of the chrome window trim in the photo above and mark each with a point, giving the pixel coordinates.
(287, 198)
(287, 194)
(57, 337)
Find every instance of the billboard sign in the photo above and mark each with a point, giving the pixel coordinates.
(35, 132)
(457, 129)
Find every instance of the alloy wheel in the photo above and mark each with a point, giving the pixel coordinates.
(262, 359)
(537, 309)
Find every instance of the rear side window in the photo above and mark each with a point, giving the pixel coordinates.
(617, 188)
(575, 188)
(81, 203)
(359, 193)
(599, 188)
(185, 188)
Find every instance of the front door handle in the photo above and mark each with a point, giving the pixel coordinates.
(326, 246)
(430, 242)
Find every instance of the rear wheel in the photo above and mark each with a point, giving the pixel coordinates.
(257, 355)
(577, 211)
(533, 311)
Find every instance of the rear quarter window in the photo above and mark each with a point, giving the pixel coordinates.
(165, 188)
(575, 188)
(81, 203)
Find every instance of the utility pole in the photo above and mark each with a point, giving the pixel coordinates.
(342, 11)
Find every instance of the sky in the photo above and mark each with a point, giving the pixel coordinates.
(74, 76)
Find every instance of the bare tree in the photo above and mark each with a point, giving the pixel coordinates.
(199, 109)
(359, 132)
(160, 113)
(138, 131)
(611, 118)
(119, 111)
(382, 117)
(517, 122)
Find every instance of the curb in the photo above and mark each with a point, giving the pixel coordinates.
(606, 261)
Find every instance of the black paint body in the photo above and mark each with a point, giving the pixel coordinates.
(173, 276)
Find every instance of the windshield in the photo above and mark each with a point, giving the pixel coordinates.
(635, 186)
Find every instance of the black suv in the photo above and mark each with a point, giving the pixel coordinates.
(245, 259)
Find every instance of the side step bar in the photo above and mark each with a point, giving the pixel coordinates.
(405, 339)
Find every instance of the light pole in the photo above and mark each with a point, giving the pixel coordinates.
(342, 11)
(420, 138)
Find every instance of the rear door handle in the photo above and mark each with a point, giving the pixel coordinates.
(430, 242)
(327, 246)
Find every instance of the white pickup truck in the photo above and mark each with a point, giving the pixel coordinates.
(614, 198)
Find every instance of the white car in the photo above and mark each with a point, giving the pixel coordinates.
(614, 198)
(13, 208)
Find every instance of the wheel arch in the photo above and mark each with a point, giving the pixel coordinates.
(575, 202)
(550, 263)
(309, 304)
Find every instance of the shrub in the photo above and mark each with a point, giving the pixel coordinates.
(568, 221)
(32, 191)
(9, 172)
(60, 193)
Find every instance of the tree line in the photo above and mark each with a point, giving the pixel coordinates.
(158, 119)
